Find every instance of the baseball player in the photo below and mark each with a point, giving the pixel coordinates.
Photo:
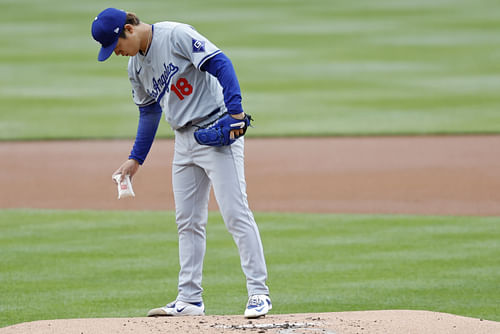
(175, 70)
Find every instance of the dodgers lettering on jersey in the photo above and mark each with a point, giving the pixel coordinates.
(161, 84)
(170, 74)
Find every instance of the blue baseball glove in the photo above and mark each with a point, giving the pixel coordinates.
(219, 132)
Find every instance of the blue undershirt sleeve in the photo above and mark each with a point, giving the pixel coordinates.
(149, 119)
(221, 67)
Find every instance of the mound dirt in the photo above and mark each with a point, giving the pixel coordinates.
(373, 322)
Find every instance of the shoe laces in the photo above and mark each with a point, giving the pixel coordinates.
(254, 301)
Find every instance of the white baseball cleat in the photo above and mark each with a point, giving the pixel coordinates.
(178, 308)
(258, 306)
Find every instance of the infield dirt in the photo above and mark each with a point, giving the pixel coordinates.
(451, 175)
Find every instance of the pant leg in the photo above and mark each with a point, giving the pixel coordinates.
(225, 168)
(191, 188)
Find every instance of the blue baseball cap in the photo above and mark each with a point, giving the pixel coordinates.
(106, 29)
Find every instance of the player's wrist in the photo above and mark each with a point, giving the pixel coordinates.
(135, 160)
(241, 115)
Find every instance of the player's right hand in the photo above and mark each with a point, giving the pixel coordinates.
(238, 132)
(224, 131)
(129, 167)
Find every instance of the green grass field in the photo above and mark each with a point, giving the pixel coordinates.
(76, 264)
(319, 67)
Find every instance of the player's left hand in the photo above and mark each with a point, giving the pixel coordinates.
(224, 131)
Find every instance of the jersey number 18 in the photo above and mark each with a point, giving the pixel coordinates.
(182, 88)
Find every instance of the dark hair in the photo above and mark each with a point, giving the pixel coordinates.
(131, 19)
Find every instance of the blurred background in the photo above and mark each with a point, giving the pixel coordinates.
(307, 68)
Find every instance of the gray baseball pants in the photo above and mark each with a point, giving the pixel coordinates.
(195, 168)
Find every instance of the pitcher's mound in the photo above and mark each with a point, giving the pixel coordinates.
(420, 322)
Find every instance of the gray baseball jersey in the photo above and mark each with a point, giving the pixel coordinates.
(172, 75)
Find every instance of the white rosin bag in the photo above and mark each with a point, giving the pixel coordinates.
(124, 187)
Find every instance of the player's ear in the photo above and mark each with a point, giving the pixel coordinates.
(128, 28)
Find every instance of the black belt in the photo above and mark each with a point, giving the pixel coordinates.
(198, 121)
